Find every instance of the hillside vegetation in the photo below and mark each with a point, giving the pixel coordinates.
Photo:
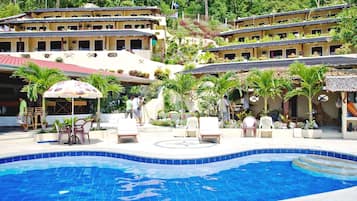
(217, 9)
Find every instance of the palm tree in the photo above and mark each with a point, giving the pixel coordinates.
(182, 85)
(217, 87)
(265, 84)
(104, 84)
(311, 82)
(38, 80)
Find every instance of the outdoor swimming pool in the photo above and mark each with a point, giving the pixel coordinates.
(252, 177)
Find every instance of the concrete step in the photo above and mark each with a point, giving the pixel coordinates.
(327, 166)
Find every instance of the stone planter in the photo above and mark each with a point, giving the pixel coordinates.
(45, 137)
(311, 133)
(297, 132)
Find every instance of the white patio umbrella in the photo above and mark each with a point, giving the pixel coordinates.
(73, 89)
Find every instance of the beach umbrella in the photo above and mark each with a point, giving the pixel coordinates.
(73, 89)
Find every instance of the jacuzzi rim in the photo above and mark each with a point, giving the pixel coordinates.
(168, 161)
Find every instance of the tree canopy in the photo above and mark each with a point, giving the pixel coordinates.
(217, 9)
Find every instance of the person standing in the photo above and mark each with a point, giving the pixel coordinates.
(22, 113)
(129, 108)
(224, 107)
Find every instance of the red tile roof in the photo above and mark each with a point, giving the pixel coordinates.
(68, 68)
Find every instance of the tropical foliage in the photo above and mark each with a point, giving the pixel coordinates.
(38, 80)
(104, 84)
(213, 88)
(265, 84)
(346, 31)
(219, 10)
(182, 85)
(311, 82)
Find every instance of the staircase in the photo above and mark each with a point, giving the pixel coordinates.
(327, 166)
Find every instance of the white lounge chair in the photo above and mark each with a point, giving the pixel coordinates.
(209, 129)
(127, 128)
(191, 127)
(266, 126)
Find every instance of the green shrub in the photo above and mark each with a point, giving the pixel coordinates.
(167, 123)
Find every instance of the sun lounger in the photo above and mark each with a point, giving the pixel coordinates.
(127, 129)
(209, 129)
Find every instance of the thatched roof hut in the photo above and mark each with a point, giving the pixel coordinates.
(341, 83)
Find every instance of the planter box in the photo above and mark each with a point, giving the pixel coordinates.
(311, 133)
(45, 137)
(297, 132)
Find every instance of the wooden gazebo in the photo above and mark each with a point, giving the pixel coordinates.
(347, 86)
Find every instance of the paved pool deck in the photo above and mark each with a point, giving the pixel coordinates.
(172, 144)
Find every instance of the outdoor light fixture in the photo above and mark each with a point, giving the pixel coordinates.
(322, 98)
(254, 99)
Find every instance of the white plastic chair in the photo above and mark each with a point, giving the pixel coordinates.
(127, 128)
(209, 129)
(191, 127)
(266, 126)
(249, 123)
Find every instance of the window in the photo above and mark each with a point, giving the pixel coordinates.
(120, 44)
(331, 15)
(60, 28)
(316, 31)
(58, 16)
(117, 15)
(74, 16)
(316, 17)
(276, 54)
(133, 15)
(333, 49)
(56, 46)
(85, 16)
(241, 39)
(98, 45)
(316, 51)
(282, 35)
(290, 53)
(72, 28)
(41, 46)
(282, 21)
(47, 17)
(83, 45)
(138, 26)
(109, 26)
(261, 24)
(106, 15)
(135, 44)
(20, 47)
(296, 34)
(42, 28)
(230, 56)
(97, 27)
(31, 28)
(5, 46)
(255, 37)
(246, 55)
(127, 26)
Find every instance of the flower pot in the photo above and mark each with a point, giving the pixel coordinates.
(311, 133)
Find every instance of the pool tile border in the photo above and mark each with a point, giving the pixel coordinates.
(167, 161)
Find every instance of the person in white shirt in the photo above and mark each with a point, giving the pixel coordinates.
(137, 105)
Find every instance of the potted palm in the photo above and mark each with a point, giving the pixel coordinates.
(265, 85)
(182, 85)
(311, 83)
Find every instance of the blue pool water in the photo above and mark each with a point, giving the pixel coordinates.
(258, 177)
